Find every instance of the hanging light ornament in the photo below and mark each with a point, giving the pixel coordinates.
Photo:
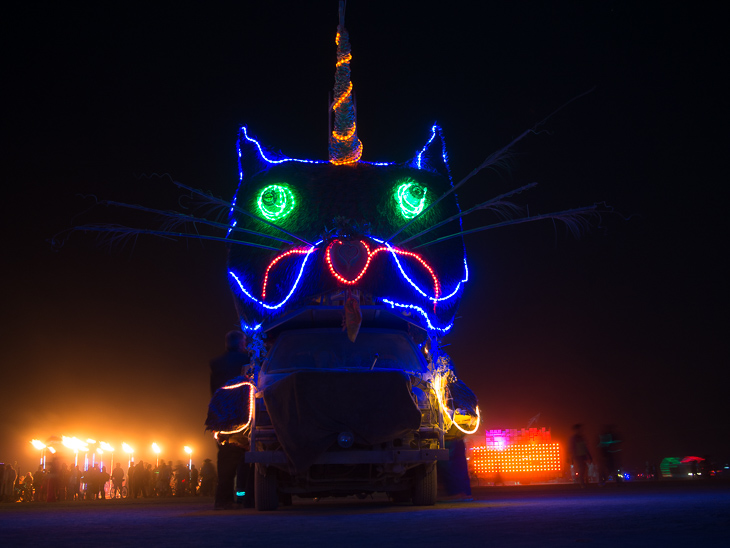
(345, 147)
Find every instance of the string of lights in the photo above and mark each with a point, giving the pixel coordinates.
(345, 147)
(251, 400)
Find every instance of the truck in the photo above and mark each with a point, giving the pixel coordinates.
(332, 417)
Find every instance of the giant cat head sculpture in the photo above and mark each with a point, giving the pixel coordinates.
(337, 223)
(329, 226)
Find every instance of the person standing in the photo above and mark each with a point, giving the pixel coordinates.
(118, 478)
(207, 478)
(103, 478)
(609, 447)
(131, 482)
(75, 483)
(8, 486)
(232, 467)
(581, 454)
(39, 481)
(193, 481)
(232, 363)
(140, 480)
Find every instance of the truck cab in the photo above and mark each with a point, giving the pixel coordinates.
(334, 417)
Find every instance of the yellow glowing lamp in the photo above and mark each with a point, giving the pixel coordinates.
(38, 444)
(52, 450)
(105, 446)
(467, 423)
(156, 448)
(74, 443)
(126, 448)
(188, 450)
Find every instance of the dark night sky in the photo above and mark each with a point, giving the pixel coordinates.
(626, 324)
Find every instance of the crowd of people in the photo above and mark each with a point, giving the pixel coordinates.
(58, 481)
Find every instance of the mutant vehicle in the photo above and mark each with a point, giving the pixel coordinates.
(334, 417)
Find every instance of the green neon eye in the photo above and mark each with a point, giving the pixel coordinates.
(411, 198)
(276, 202)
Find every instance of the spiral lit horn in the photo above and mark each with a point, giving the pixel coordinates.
(345, 147)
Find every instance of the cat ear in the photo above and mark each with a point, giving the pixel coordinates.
(251, 157)
(432, 156)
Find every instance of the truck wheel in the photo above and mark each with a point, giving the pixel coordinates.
(265, 488)
(424, 487)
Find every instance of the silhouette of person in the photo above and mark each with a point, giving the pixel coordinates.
(581, 454)
(103, 478)
(131, 481)
(8, 486)
(118, 477)
(193, 481)
(609, 445)
(232, 363)
(231, 464)
(207, 478)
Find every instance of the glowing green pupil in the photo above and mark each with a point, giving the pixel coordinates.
(411, 198)
(276, 202)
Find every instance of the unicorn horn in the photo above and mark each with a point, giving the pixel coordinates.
(345, 147)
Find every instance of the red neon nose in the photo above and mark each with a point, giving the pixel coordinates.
(348, 259)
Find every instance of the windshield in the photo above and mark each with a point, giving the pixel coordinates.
(331, 349)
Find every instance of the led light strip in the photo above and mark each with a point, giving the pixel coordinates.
(408, 210)
(434, 128)
(435, 298)
(276, 260)
(393, 251)
(439, 386)
(344, 136)
(348, 148)
(342, 98)
(423, 313)
(269, 160)
(291, 292)
(251, 400)
(279, 211)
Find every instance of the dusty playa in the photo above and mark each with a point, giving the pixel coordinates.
(638, 514)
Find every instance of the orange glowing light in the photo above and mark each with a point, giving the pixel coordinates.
(38, 444)
(344, 136)
(74, 443)
(344, 130)
(345, 58)
(342, 98)
(350, 158)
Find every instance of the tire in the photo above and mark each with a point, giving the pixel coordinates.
(266, 496)
(425, 484)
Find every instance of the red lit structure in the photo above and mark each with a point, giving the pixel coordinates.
(524, 456)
